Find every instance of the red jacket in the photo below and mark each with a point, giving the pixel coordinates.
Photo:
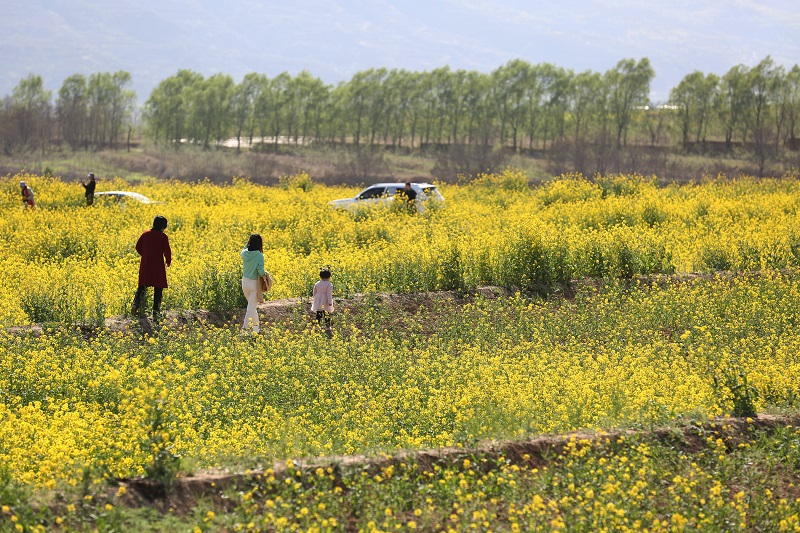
(153, 246)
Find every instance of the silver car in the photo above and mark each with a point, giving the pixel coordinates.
(386, 193)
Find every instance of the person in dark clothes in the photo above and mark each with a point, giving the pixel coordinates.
(89, 188)
(153, 246)
(410, 197)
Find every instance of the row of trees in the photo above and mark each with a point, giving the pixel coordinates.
(519, 105)
(93, 111)
(758, 106)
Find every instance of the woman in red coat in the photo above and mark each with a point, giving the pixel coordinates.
(153, 246)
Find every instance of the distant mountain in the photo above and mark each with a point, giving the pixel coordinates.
(334, 39)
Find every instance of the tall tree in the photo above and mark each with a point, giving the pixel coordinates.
(338, 122)
(211, 105)
(429, 102)
(764, 81)
(278, 98)
(365, 103)
(99, 99)
(168, 108)
(554, 82)
(397, 85)
(694, 96)
(243, 99)
(30, 107)
(312, 96)
(792, 99)
(733, 102)
(480, 117)
(122, 102)
(509, 84)
(263, 108)
(533, 112)
(629, 92)
(582, 94)
(110, 104)
(71, 109)
(416, 106)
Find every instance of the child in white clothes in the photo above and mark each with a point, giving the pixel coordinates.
(322, 304)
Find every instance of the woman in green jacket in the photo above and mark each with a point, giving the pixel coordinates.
(253, 266)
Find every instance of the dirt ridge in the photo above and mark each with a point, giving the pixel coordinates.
(279, 310)
(186, 491)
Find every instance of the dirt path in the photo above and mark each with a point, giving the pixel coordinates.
(281, 311)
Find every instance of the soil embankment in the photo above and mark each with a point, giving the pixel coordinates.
(186, 492)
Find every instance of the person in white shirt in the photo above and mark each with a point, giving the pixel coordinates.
(322, 304)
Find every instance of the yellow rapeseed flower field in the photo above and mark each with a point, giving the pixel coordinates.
(104, 404)
(65, 262)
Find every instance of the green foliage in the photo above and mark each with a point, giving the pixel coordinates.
(653, 215)
(715, 258)
(451, 272)
(12, 493)
(623, 185)
(220, 290)
(61, 304)
(163, 464)
(528, 260)
(731, 383)
(301, 181)
(40, 306)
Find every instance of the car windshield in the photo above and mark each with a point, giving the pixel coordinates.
(429, 191)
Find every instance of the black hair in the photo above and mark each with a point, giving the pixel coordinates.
(255, 243)
(325, 273)
(160, 223)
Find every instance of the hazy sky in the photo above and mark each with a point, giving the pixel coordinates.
(153, 39)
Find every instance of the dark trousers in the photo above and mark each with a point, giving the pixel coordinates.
(158, 293)
(324, 316)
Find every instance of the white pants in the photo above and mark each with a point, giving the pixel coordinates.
(250, 289)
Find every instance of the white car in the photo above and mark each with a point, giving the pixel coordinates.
(121, 196)
(386, 193)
